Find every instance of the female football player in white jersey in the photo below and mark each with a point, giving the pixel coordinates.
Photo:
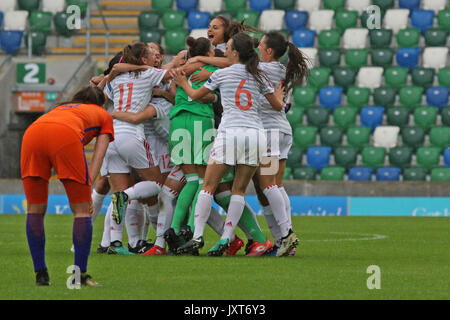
(241, 139)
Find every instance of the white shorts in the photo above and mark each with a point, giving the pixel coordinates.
(161, 154)
(176, 174)
(125, 152)
(234, 146)
(278, 144)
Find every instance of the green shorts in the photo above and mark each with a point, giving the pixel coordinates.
(191, 138)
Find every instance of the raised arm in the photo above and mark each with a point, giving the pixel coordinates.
(135, 118)
(220, 62)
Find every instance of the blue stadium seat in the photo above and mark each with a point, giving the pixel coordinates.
(1, 19)
(296, 19)
(330, 97)
(198, 20)
(260, 5)
(422, 19)
(447, 158)
(318, 157)
(187, 5)
(304, 38)
(10, 41)
(408, 57)
(437, 97)
(409, 4)
(388, 174)
(360, 174)
(371, 116)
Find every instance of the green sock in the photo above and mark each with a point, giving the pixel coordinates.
(194, 203)
(184, 201)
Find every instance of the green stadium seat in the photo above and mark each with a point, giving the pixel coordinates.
(295, 157)
(305, 97)
(440, 137)
(285, 32)
(384, 4)
(235, 5)
(398, 116)
(82, 4)
(305, 173)
(413, 137)
(28, 5)
(384, 96)
(39, 41)
(414, 174)
(358, 97)
(162, 6)
(363, 17)
(440, 174)
(287, 174)
(332, 173)
(400, 156)
(358, 137)
(345, 117)
(329, 39)
(60, 23)
(148, 20)
(423, 77)
(395, 77)
(284, 4)
(151, 36)
(380, 38)
(382, 57)
(41, 21)
(346, 19)
(345, 156)
(331, 136)
(295, 116)
(373, 157)
(435, 37)
(319, 77)
(356, 58)
(318, 116)
(305, 137)
(411, 96)
(251, 17)
(329, 57)
(172, 20)
(444, 77)
(176, 40)
(425, 117)
(344, 77)
(334, 4)
(408, 38)
(445, 116)
(443, 19)
(428, 157)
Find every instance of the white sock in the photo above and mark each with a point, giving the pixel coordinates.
(131, 222)
(216, 221)
(106, 238)
(97, 200)
(202, 211)
(152, 214)
(287, 203)
(276, 202)
(272, 224)
(166, 203)
(141, 219)
(143, 190)
(234, 214)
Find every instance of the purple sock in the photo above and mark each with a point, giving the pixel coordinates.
(36, 240)
(82, 238)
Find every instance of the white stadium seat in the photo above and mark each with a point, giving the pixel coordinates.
(308, 5)
(355, 38)
(435, 57)
(358, 5)
(7, 5)
(396, 19)
(53, 6)
(16, 20)
(197, 33)
(385, 136)
(210, 5)
(271, 20)
(321, 20)
(435, 5)
(311, 54)
(369, 77)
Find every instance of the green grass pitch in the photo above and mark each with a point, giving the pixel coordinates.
(331, 263)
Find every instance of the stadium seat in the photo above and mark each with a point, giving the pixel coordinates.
(395, 77)
(271, 20)
(251, 17)
(15, 20)
(444, 77)
(53, 6)
(197, 33)
(358, 5)
(422, 19)
(305, 96)
(295, 19)
(150, 36)
(400, 156)
(428, 157)
(187, 5)
(369, 77)
(440, 137)
(305, 136)
(198, 20)
(414, 174)
(356, 58)
(382, 57)
(9, 5)
(358, 97)
(447, 157)
(321, 19)
(308, 5)
(380, 38)
(335, 5)
(318, 157)
(373, 157)
(330, 97)
(425, 117)
(435, 38)
(175, 40)
(355, 38)
(60, 23)
(435, 57)
(332, 174)
(210, 6)
(1, 20)
(260, 5)
(360, 174)
(319, 77)
(82, 4)
(396, 19)
(411, 96)
(445, 116)
(149, 20)
(28, 5)
(385, 136)
(437, 96)
(285, 5)
(331, 136)
(306, 173)
(287, 174)
(398, 116)
(388, 174)
(408, 38)
(371, 116)
(409, 4)
(161, 6)
(39, 41)
(435, 5)
(329, 39)
(10, 41)
(311, 55)
(358, 137)
(422, 77)
(345, 156)
(408, 57)
(413, 136)
(295, 116)
(329, 57)
(345, 117)
(304, 38)
(40, 21)
(235, 5)
(440, 174)
(295, 157)
(173, 20)
(346, 19)
(384, 96)
(318, 116)
(443, 19)
(384, 4)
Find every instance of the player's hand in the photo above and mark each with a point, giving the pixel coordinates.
(158, 93)
(114, 114)
(96, 80)
(279, 92)
(193, 60)
(180, 58)
(201, 76)
(178, 76)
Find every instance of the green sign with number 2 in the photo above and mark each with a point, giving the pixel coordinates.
(31, 73)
